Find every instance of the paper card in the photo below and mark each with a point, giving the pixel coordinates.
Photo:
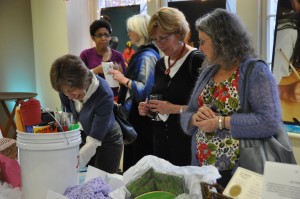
(244, 184)
(114, 180)
(281, 181)
(107, 66)
(93, 172)
(53, 195)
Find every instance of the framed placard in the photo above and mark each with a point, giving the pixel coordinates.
(286, 59)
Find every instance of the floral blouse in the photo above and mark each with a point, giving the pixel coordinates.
(218, 148)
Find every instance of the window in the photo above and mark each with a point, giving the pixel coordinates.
(115, 3)
(270, 31)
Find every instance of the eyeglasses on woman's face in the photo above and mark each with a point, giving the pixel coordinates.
(74, 93)
(201, 42)
(99, 36)
(161, 40)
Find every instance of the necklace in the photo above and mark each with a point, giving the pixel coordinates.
(167, 71)
(106, 56)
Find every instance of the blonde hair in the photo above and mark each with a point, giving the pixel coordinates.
(169, 21)
(138, 24)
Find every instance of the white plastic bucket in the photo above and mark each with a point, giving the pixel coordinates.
(48, 161)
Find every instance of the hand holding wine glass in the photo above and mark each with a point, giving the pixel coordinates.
(153, 102)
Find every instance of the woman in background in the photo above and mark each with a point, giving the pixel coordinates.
(174, 80)
(100, 31)
(214, 115)
(128, 52)
(136, 85)
(90, 99)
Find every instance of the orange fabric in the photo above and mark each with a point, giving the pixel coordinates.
(127, 54)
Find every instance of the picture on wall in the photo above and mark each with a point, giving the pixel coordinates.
(118, 18)
(194, 10)
(286, 59)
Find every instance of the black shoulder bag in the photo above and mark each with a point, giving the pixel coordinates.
(255, 152)
(128, 132)
(195, 60)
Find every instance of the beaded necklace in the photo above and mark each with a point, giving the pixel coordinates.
(167, 71)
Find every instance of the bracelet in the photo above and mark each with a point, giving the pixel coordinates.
(181, 110)
(127, 83)
(220, 121)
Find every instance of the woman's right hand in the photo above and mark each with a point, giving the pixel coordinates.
(144, 109)
(203, 113)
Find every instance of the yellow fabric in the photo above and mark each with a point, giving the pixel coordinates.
(19, 120)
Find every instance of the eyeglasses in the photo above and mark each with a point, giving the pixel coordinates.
(201, 42)
(102, 35)
(161, 40)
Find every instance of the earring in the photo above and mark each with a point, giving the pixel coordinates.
(180, 42)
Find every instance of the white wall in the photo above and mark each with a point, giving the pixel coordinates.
(78, 24)
(250, 13)
(17, 71)
(59, 27)
(50, 39)
(16, 47)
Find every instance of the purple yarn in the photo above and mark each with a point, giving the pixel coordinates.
(93, 189)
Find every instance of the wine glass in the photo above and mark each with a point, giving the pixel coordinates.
(156, 97)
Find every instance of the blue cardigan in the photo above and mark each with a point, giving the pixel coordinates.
(140, 71)
(96, 116)
(265, 117)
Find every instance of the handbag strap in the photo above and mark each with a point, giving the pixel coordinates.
(246, 105)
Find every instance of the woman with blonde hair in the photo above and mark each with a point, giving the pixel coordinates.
(174, 80)
(136, 85)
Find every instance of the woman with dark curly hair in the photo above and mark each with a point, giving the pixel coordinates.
(100, 31)
(214, 116)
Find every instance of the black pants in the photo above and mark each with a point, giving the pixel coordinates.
(108, 155)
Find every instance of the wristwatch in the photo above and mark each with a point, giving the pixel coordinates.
(127, 83)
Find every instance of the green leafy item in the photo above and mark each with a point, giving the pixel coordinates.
(155, 181)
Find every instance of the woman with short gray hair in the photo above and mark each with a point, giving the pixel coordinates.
(90, 99)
